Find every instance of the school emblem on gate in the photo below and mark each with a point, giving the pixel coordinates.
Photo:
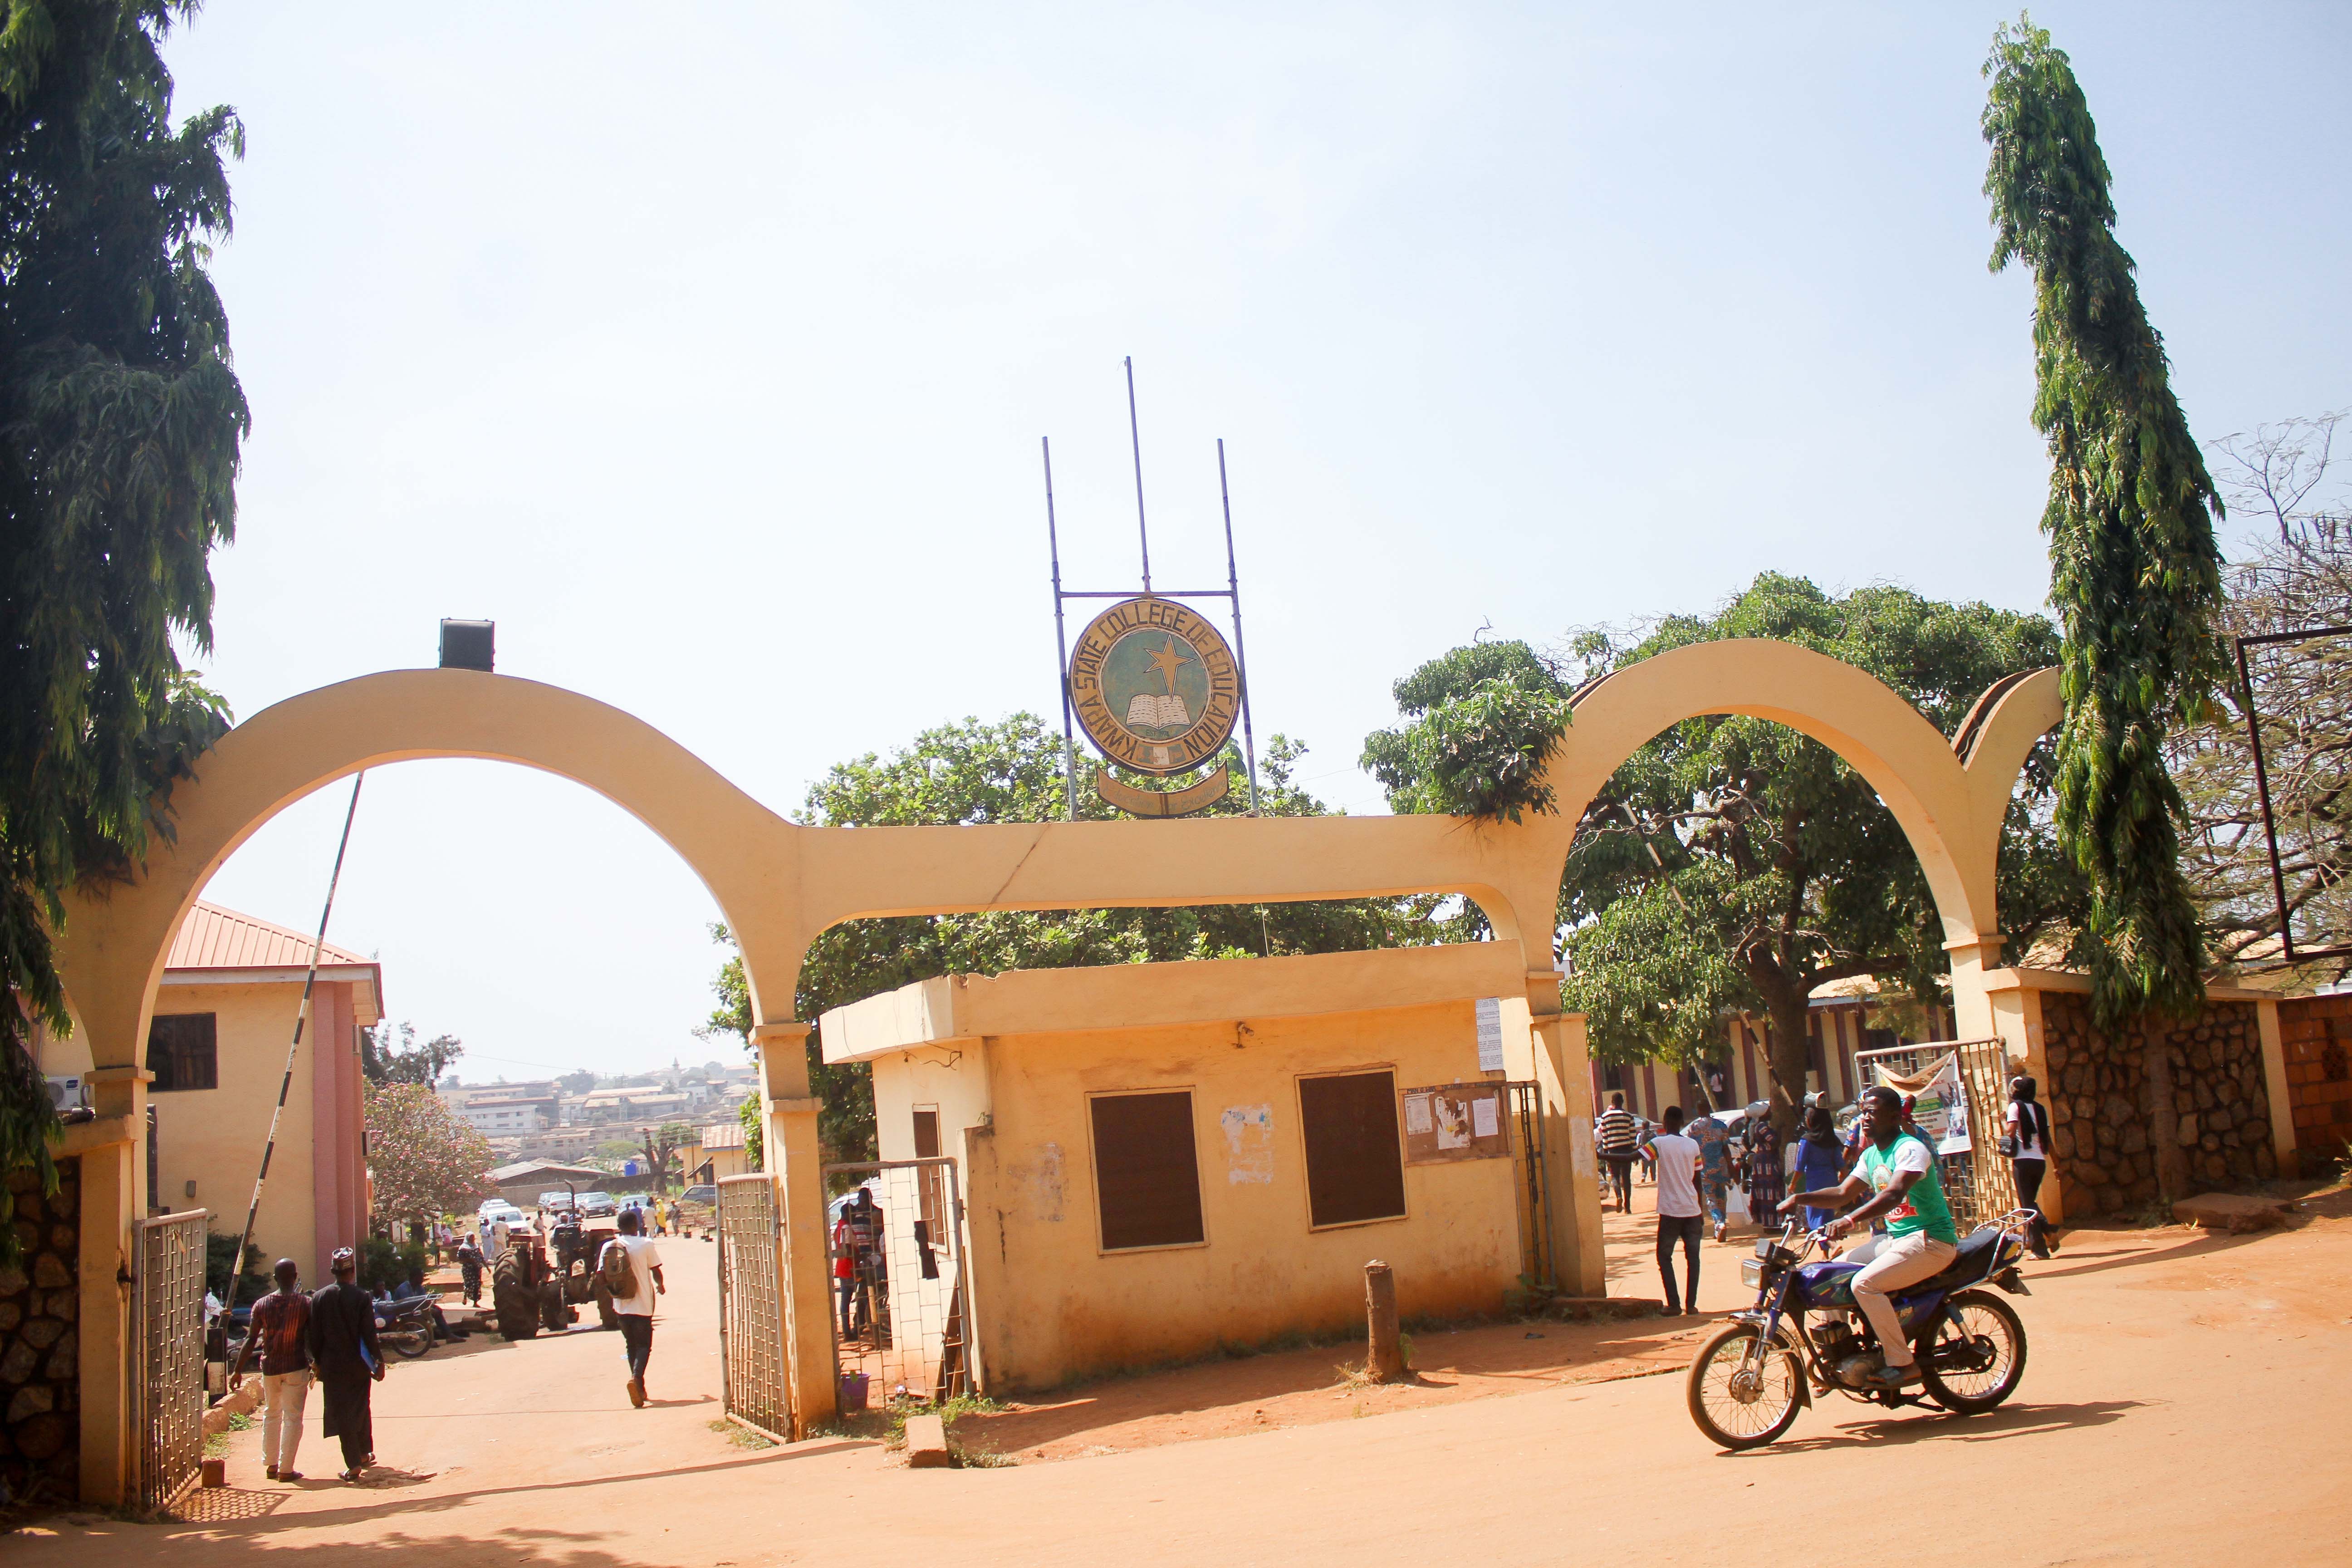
(1154, 685)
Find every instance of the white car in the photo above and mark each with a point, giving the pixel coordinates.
(499, 1209)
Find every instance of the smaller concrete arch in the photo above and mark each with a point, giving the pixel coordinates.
(1950, 810)
(113, 949)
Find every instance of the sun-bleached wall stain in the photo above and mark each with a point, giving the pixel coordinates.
(1249, 1143)
(1044, 1181)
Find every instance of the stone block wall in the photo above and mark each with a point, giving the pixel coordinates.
(2099, 1119)
(2316, 1033)
(40, 1296)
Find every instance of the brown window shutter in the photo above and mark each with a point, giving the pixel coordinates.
(1146, 1170)
(1355, 1170)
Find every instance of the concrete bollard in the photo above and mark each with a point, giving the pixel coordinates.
(1385, 1362)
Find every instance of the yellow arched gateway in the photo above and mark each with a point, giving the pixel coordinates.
(778, 884)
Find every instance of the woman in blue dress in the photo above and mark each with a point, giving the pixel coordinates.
(1820, 1160)
(1713, 1168)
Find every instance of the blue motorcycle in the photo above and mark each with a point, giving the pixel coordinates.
(1805, 1335)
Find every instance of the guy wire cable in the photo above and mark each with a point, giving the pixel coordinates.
(302, 1016)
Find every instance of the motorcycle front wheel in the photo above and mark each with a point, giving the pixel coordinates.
(1736, 1406)
(1977, 1356)
(408, 1342)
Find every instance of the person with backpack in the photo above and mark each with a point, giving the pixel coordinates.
(629, 1267)
(2026, 1141)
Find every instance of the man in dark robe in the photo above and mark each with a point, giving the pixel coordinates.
(343, 1349)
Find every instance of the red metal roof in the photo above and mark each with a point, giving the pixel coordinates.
(215, 938)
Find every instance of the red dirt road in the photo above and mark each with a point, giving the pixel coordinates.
(2182, 1405)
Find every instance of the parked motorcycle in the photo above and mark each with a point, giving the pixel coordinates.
(1805, 1335)
(406, 1327)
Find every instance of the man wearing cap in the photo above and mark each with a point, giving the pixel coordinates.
(343, 1349)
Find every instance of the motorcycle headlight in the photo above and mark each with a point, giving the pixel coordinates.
(1751, 1273)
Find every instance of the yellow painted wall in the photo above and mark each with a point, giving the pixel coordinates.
(1052, 1305)
(214, 1137)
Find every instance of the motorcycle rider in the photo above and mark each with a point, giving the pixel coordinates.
(1899, 1170)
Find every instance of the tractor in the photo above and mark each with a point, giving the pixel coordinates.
(532, 1290)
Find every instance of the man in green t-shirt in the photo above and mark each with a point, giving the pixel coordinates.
(1898, 1170)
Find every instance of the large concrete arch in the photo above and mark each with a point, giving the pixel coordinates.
(113, 945)
(778, 884)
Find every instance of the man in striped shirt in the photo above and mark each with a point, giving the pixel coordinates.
(1616, 1135)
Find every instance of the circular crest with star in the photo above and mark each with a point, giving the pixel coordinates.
(1154, 685)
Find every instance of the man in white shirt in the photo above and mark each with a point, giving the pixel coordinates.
(636, 1308)
(1679, 1211)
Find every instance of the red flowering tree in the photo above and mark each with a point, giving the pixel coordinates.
(425, 1162)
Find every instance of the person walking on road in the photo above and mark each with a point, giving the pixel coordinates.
(1678, 1213)
(343, 1349)
(1714, 1139)
(281, 1327)
(1763, 1162)
(1820, 1163)
(1617, 1138)
(2027, 1143)
(633, 1294)
(469, 1270)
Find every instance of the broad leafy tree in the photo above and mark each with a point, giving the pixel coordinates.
(390, 1056)
(2134, 573)
(1011, 771)
(424, 1162)
(1483, 721)
(120, 427)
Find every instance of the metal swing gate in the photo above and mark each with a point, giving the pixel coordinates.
(750, 1307)
(168, 1309)
(1978, 1185)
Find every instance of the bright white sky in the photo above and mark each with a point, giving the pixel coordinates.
(706, 350)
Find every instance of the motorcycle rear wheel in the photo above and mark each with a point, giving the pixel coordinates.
(1733, 1411)
(1975, 1315)
(409, 1342)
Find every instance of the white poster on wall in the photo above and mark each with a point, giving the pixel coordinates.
(1490, 1034)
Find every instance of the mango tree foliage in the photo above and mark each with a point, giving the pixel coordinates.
(1011, 771)
(2134, 573)
(1484, 721)
(120, 427)
(424, 1160)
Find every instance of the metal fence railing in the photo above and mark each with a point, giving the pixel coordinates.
(902, 1310)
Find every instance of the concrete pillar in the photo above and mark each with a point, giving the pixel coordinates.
(113, 1199)
(788, 1119)
(2274, 1086)
(1572, 1171)
(1972, 957)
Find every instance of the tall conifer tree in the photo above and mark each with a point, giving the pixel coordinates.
(2135, 571)
(120, 427)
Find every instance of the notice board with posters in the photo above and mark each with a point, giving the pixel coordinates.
(1456, 1122)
